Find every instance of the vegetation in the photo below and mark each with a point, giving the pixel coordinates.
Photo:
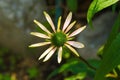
(13, 66)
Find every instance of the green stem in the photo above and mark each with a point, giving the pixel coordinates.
(88, 64)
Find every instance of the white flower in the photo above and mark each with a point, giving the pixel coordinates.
(58, 38)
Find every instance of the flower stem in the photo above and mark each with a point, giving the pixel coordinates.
(88, 64)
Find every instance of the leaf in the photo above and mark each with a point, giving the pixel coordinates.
(110, 59)
(113, 34)
(73, 66)
(100, 51)
(72, 5)
(79, 76)
(96, 6)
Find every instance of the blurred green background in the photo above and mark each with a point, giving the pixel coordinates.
(18, 62)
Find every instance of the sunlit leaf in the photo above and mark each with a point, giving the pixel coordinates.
(96, 6)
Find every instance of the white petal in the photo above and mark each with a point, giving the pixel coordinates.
(42, 27)
(40, 35)
(75, 44)
(49, 20)
(77, 31)
(50, 54)
(46, 52)
(39, 44)
(72, 49)
(70, 26)
(67, 21)
(58, 25)
(60, 55)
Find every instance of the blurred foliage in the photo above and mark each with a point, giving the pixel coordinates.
(32, 72)
(77, 68)
(6, 59)
(11, 63)
(72, 5)
(114, 6)
(5, 76)
(6, 63)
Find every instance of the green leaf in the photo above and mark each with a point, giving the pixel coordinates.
(113, 34)
(96, 6)
(76, 67)
(79, 76)
(72, 5)
(73, 66)
(100, 51)
(111, 59)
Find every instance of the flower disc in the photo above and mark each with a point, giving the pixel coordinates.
(58, 39)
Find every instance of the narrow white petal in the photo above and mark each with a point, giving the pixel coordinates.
(39, 44)
(72, 49)
(58, 25)
(60, 55)
(67, 21)
(77, 31)
(75, 44)
(50, 54)
(42, 27)
(70, 26)
(49, 20)
(46, 52)
(40, 35)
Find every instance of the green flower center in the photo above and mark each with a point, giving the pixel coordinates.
(58, 39)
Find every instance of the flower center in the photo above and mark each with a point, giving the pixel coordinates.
(58, 39)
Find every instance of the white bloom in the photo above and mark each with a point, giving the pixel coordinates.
(58, 38)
